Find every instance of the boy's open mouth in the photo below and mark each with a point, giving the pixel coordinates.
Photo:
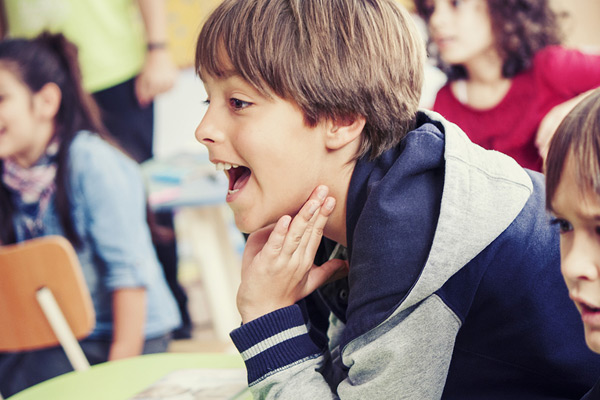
(238, 177)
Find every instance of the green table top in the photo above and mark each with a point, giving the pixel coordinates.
(122, 379)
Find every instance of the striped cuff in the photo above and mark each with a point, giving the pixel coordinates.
(273, 341)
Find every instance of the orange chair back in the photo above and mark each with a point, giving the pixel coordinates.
(25, 267)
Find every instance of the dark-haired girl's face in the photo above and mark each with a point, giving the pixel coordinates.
(25, 128)
(461, 29)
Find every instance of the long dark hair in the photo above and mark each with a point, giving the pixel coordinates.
(521, 28)
(51, 58)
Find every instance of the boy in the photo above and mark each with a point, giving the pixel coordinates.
(452, 284)
(573, 195)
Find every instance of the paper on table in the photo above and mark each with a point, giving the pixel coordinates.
(195, 384)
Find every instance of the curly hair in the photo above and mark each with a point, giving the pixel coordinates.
(521, 28)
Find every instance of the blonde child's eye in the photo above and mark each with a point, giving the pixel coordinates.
(564, 226)
(238, 104)
(456, 3)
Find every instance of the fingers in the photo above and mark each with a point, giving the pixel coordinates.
(301, 227)
(328, 272)
(277, 237)
(142, 91)
(297, 239)
(319, 225)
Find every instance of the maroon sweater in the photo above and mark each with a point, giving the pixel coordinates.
(557, 75)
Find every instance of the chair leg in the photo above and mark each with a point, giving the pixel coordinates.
(62, 330)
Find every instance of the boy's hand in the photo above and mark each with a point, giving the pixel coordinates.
(277, 266)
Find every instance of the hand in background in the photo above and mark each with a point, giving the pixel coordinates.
(552, 120)
(157, 76)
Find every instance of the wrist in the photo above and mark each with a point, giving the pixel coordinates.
(153, 46)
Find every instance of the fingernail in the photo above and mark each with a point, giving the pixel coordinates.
(313, 207)
(330, 203)
(322, 192)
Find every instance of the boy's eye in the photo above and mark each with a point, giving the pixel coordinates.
(564, 226)
(238, 104)
(456, 3)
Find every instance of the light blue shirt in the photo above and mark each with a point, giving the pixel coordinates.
(109, 212)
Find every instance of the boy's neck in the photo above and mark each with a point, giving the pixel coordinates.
(338, 188)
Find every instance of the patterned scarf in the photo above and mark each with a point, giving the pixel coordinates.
(32, 188)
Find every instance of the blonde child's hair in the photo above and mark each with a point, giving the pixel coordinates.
(335, 59)
(578, 137)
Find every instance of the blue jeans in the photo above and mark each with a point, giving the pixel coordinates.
(19, 371)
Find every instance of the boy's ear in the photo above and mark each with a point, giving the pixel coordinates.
(48, 100)
(344, 130)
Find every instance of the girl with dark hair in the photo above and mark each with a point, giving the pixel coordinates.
(60, 177)
(506, 71)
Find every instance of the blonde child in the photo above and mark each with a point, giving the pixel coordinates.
(573, 196)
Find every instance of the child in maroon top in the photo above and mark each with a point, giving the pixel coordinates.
(506, 72)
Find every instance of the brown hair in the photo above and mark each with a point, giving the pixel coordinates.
(36, 62)
(578, 136)
(521, 28)
(334, 58)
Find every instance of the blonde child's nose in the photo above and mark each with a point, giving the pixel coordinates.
(578, 264)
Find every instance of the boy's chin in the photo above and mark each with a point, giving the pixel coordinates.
(248, 226)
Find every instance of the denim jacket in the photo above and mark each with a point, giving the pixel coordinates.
(109, 212)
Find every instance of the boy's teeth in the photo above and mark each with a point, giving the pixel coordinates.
(234, 191)
(224, 166)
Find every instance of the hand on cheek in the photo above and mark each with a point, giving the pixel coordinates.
(278, 264)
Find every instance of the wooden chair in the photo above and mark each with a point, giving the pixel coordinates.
(44, 300)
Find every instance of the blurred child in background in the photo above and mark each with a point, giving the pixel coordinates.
(573, 195)
(59, 177)
(506, 71)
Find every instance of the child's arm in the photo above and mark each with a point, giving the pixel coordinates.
(277, 266)
(551, 121)
(129, 319)
(159, 72)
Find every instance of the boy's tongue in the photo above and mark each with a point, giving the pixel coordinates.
(238, 179)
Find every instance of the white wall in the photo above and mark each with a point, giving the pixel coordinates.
(177, 113)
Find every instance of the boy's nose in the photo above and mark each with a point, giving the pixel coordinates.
(207, 132)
